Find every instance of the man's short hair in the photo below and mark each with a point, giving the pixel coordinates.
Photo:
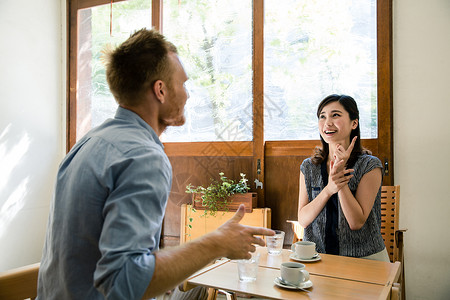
(134, 66)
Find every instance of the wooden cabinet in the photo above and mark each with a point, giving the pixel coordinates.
(260, 217)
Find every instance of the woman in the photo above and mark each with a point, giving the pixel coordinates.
(340, 187)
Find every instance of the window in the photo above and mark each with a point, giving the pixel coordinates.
(250, 63)
(100, 26)
(214, 40)
(313, 49)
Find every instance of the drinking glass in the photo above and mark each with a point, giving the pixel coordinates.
(248, 268)
(275, 242)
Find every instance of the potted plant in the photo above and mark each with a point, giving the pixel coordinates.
(222, 195)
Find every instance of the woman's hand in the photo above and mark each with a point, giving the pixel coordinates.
(341, 154)
(338, 177)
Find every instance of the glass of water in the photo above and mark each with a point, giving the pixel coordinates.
(248, 268)
(275, 242)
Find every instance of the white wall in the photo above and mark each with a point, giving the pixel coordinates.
(31, 131)
(422, 142)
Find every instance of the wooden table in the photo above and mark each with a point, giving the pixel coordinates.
(333, 277)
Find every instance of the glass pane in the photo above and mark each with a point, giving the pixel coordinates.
(214, 40)
(95, 103)
(313, 49)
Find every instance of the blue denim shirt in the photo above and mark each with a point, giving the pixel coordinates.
(107, 212)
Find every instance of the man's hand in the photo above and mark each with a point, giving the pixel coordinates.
(236, 240)
(232, 240)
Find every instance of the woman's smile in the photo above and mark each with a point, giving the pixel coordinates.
(335, 124)
(330, 132)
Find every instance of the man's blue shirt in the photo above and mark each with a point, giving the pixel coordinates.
(107, 212)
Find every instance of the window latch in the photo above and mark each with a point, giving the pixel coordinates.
(386, 166)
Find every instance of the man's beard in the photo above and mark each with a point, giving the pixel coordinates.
(179, 121)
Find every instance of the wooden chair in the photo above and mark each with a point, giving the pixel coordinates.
(212, 294)
(298, 231)
(396, 292)
(392, 235)
(20, 283)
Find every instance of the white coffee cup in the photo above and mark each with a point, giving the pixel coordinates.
(294, 273)
(304, 249)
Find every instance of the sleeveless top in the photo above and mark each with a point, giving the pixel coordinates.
(354, 243)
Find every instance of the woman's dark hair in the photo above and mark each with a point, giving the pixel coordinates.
(349, 104)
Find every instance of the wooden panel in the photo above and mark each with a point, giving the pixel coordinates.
(201, 224)
(291, 148)
(372, 145)
(91, 3)
(306, 148)
(258, 96)
(282, 178)
(157, 10)
(209, 149)
(71, 104)
(198, 171)
(385, 87)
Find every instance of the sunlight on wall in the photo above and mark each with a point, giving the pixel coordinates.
(10, 159)
(13, 205)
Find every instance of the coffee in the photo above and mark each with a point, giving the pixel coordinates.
(294, 273)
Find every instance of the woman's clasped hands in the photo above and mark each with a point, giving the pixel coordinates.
(339, 176)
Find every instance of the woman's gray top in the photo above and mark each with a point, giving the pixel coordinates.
(355, 243)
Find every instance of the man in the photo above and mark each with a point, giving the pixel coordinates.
(112, 189)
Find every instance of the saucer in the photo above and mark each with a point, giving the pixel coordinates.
(303, 285)
(294, 257)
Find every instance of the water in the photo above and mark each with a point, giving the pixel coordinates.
(248, 269)
(275, 244)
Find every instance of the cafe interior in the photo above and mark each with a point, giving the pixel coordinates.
(258, 120)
